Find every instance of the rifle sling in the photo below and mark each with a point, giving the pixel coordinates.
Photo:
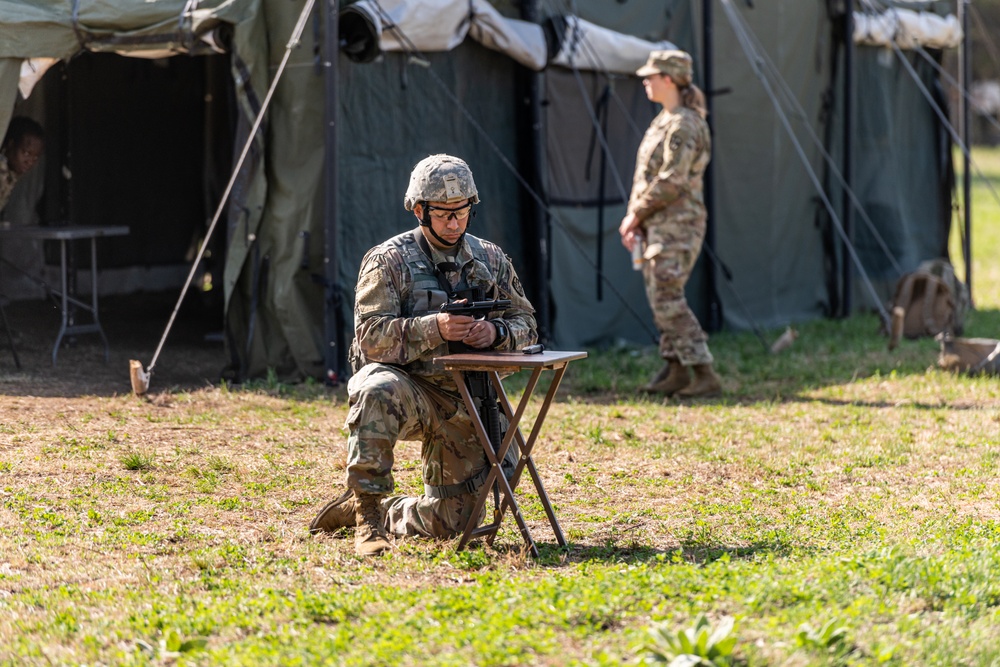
(470, 485)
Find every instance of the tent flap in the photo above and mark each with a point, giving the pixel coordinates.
(586, 46)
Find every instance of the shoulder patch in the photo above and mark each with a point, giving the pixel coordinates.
(516, 284)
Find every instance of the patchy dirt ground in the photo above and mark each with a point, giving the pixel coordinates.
(193, 354)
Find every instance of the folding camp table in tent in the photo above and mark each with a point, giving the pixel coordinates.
(67, 275)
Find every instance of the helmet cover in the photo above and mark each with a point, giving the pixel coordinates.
(440, 178)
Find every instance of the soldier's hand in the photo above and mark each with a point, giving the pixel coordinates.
(482, 334)
(454, 327)
(629, 230)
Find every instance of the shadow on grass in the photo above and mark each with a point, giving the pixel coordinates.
(827, 353)
(551, 554)
(192, 355)
(885, 404)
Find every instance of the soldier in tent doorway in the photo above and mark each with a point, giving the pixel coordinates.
(20, 152)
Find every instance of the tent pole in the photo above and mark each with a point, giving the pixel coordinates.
(965, 118)
(335, 352)
(847, 168)
(535, 222)
(711, 289)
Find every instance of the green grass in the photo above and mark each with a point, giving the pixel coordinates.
(840, 504)
(985, 236)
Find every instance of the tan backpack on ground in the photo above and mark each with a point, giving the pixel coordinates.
(928, 301)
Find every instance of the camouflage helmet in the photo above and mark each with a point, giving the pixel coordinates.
(440, 178)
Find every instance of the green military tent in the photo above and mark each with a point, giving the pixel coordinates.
(537, 97)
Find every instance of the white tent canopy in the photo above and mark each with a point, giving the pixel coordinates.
(441, 25)
(908, 29)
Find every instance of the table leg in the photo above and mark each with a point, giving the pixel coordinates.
(68, 326)
(495, 476)
(525, 459)
(63, 270)
(93, 297)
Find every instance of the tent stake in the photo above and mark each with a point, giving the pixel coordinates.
(140, 378)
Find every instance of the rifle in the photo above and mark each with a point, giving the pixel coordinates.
(484, 395)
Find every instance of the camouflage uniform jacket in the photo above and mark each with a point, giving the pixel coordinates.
(669, 166)
(398, 296)
(7, 181)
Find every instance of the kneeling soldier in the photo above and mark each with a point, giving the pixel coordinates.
(396, 393)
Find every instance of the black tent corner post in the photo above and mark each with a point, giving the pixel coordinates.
(334, 352)
(846, 301)
(946, 161)
(831, 271)
(713, 303)
(534, 221)
(839, 269)
(966, 115)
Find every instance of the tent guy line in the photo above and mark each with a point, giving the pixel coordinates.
(755, 60)
(638, 133)
(140, 378)
(966, 94)
(943, 117)
(412, 51)
(568, 7)
(987, 115)
(991, 45)
(712, 255)
(983, 112)
(800, 113)
(751, 45)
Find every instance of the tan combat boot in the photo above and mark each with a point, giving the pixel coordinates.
(370, 538)
(336, 514)
(706, 383)
(672, 378)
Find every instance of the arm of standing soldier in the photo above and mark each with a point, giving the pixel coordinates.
(384, 335)
(630, 231)
(672, 179)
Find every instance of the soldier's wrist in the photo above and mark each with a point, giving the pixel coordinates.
(503, 334)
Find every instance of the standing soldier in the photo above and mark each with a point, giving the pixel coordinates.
(666, 212)
(396, 393)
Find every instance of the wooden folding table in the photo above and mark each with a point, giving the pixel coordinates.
(493, 364)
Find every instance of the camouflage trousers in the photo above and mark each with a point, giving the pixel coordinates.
(665, 275)
(388, 405)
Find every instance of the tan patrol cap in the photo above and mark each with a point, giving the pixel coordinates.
(675, 63)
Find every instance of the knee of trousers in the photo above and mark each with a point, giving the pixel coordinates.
(378, 411)
(670, 309)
